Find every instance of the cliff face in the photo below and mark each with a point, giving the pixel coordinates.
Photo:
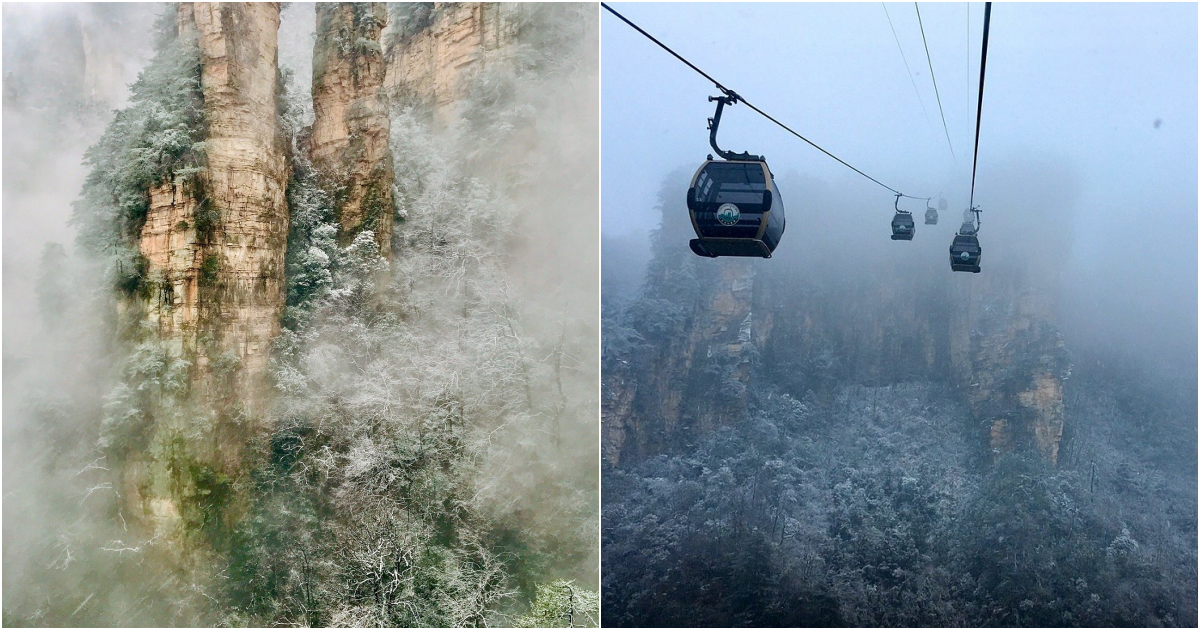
(170, 243)
(699, 376)
(1012, 362)
(216, 242)
(351, 130)
(435, 50)
(729, 323)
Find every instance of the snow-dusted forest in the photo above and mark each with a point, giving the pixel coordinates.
(825, 457)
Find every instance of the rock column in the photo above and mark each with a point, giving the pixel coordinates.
(217, 241)
(351, 130)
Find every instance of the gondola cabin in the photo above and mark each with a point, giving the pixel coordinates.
(931, 216)
(965, 253)
(735, 209)
(903, 226)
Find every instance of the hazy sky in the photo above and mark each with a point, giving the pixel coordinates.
(54, 55)
(1079, 86)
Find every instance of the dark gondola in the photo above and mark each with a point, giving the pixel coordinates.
(931, 214)
(965, 252)
(903, 226)
(736, 209)
(734, 205)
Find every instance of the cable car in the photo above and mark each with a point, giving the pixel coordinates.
(965, 252)
(735, 208)
(903, 226)
(931, 214)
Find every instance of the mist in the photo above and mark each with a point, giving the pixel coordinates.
(849, 433)
(66, 67)
(479, 325)
(1073, 169)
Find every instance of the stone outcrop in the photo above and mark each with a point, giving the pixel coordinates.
(701, 376)
(1012, 362)
(989, 336)
(216, 241)
(175, 256)
(351, 130)
(434, 52)
(213, 244)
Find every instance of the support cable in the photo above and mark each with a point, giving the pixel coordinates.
(935, 87)
(987, 20)
(906, 66)
(735, 98)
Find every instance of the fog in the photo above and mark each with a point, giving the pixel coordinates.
(70, 555)
(1087, 150)
(66, 66)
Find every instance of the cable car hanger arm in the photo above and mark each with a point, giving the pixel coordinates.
(730, 93)
(715, 122)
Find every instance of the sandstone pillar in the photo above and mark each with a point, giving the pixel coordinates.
(215, 242)
(351, 130)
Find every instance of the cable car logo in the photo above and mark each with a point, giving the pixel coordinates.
(728, 214)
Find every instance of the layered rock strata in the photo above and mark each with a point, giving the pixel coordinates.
(351, 130)
(432, 58)
(215, 241)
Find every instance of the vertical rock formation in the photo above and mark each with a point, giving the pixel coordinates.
(213, 246)
(247, 172)
(351, 130)
(721, 346)
(1012, 362)
(436, 47)
(710, 328)
(216, 241)
(700, 371)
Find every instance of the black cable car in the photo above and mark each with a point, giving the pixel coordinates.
(735, 208)
(965, 252)
(931, 214)
(903, 226)
(734, 205)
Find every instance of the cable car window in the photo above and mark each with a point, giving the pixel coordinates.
(731, 183)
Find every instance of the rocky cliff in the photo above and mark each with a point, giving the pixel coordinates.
(210, 263)
(434, 47)
(1012, 362)
(712, 330)
(350, 133)
(213, 245)
(215, 240)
